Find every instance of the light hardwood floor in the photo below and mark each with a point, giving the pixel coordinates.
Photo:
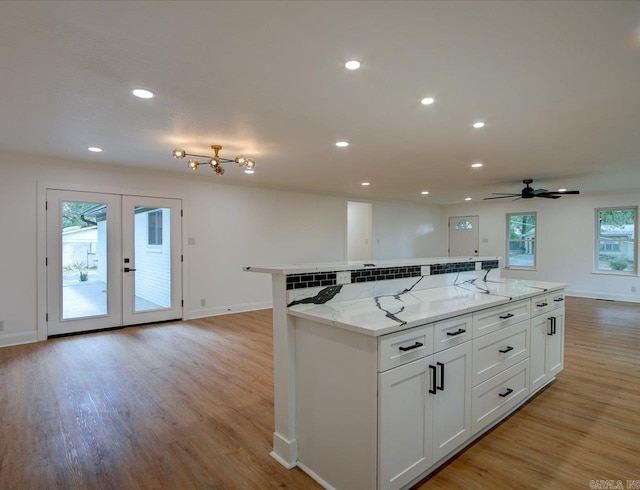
(190, 405)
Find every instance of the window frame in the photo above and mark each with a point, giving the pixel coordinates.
(597, 240)
(534, 241)
(157, 231)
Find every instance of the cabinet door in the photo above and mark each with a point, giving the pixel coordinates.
(540, 330)
(404, 423)
(555, 344)
(452, 400)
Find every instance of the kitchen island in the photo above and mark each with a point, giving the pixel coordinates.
(384, 370)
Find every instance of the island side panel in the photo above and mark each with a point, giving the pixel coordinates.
(336, 406)
(285, 446)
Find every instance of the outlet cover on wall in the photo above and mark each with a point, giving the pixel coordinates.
(425, 270)
(478, 266)
(343, 277)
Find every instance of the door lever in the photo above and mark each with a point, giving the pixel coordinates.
(127, 269)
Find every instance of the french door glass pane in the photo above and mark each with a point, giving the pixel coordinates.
(152, 242)
(84, 259)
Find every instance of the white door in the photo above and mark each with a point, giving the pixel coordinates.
(93, 244)
(84, 286)
(359, 231)
(463, 236)
(151, 260)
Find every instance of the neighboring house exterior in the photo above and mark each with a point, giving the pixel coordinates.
(617, 240)
(152, 248)
(79, 246)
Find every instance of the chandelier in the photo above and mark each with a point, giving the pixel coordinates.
(215, 162)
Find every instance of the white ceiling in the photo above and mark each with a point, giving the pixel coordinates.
(558, 84)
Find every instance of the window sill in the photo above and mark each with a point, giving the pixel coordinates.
(519, 268)
(616, 273)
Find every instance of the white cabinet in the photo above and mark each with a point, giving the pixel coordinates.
(547, 347)
(405, 422)
(452, 400)
(424, 413)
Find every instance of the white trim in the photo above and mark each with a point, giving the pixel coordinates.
(10, 339)
(631, 298)
(322, 483)
(227, 310)
(285, 451)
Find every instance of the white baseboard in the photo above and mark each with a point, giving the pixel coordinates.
(9, 339)
(632, 298)
(226, 310)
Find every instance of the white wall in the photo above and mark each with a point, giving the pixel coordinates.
(565, 239)
(403, 230)
(233, 226)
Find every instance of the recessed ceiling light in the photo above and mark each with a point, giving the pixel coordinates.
(477, 165)
(143, 93)
(249, 171)
(366, 183)
(352, 65)
(342, 144)
(478, 124)
(94, 149)
(467, 199)
(424, 193)
(428, 101)
(562, 190)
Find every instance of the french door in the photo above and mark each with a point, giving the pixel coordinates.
(112, 260)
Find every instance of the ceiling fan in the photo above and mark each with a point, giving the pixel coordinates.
(528, 192)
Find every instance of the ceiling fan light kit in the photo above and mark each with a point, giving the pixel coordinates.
(529, 192)
(215, 162)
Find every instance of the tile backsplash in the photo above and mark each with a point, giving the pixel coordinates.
(319, 279)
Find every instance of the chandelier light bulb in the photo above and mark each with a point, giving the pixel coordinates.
(250, 164)
(179, 153)
(219, 169)
(193, 164)
(214, 161)
(240, 160)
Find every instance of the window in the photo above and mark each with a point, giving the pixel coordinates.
(616, 247)
(521, 240)
(154, 227)
(464, 225)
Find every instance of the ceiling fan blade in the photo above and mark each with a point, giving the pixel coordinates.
(548, 196)
(501, 197)
(539, 191)
(504, 194)
(567, 192)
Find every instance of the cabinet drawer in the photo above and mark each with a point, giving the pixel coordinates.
(453, 331)
(496, 396)
(399, 348)
(497, 351)
(541, 304)
(557, 298)
(498, 317)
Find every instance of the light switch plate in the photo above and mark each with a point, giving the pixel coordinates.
(343, 277)
(425, 270)
(191, 241)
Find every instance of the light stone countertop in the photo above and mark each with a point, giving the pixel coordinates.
(391, 313)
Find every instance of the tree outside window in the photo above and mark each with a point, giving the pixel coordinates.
(521, 241)
(616, 245)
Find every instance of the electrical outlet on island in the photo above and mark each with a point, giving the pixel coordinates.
(343, 277)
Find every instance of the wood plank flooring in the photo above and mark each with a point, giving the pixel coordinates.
(190, 405)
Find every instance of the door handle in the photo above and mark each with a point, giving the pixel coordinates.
(433, 379)
(441, 385)
(552, 325)
(507, 392)
(457, 332)
(508, 315)
(504, 351)
(128, 269)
